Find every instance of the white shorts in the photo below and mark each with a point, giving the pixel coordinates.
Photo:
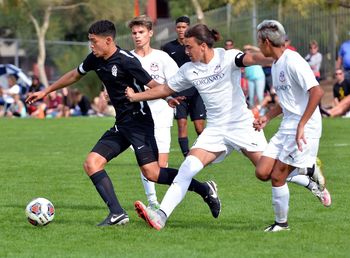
(163, 139)
(284, 148)
(237, 136)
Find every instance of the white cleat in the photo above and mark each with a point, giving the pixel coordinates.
(276, 227)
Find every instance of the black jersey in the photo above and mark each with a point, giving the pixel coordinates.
(177, 52)
(341, 90)
(120, 70)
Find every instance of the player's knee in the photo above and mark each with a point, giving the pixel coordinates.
(150, 174)
(263, 175)
(92, 165)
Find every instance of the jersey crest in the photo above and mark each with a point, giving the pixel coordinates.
(114, 71)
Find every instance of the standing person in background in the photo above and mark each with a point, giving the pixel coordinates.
(256, 81)
(343, 60)
(193, 104)
(296, 143)
(288, 42)
(229, 44)
(314, 59)
(161, 67)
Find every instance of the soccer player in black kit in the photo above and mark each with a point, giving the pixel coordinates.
(117, 69)
(193, 104)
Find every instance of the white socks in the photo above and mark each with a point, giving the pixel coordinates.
(177, 191)
(296, 178)
(150, 189)
(280, 202)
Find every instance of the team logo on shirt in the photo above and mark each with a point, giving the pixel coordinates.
(282, 77)
(114, 71)
(154, 67)
(217, 69)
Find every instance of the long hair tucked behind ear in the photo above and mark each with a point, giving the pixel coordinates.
(202, 34)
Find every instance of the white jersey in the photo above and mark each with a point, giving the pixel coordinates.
(161, 67)
(219, 84)
(292, 78)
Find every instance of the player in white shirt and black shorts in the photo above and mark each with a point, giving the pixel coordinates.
(216, 74)
(160, 67)
(296, 143)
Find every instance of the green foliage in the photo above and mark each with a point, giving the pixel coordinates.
(44, 158)
(185, 7)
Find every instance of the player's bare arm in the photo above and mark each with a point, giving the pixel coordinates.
(66, 80)
(261, 122)
(256, 59)
(160, 91)
(315, 95)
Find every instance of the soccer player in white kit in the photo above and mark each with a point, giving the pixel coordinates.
(215, 72)
(296, 143)
(161, 67)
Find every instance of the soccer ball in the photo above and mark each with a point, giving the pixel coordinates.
(40, 212)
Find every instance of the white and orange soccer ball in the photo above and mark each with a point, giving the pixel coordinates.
(40, 212)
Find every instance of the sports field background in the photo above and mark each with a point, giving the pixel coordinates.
(43, 158)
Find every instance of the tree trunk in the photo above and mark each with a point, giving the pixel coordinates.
(199, 11)
(41, 33)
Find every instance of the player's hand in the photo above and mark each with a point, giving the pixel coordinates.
(130, 94)
(260, 123)
(300, 137)
(173, 102)
(35, 97)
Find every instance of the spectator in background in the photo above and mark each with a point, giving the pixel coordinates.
(287, 43)
(35, 87)
(341, 88)
(102, 105)
(256, 81)
(314, 59)
(54, 105)
(343, 60)
(80, 105)
(10, 93)
(17, 108)
(229, 44)
(193, 104)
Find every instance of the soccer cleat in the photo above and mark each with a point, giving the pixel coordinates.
(115, 219)
(318, 176)
(154, 206)
(275, 227)
(324, 196)
(212, 199)
(153, 218)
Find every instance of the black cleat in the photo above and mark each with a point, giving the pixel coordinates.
(276, 227)
(115, 219)
(212, 199)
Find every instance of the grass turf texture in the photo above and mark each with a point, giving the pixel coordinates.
(43, 158)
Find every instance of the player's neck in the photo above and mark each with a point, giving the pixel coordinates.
(181, 41)
(143, 51)
(110, 52)
(208, 56)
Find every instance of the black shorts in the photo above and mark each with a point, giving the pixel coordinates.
(117, 139)
(193, 106)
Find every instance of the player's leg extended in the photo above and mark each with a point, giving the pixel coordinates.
(94, 167)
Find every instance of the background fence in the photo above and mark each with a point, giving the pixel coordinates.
(329, 28)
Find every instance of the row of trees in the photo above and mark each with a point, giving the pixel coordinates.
(68, 19)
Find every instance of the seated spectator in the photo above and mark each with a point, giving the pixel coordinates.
(341, 88)
(17, 108)
(342, 109)
(314, 59)
(35, 87)
(10, 92)
(54, 105)
(102, 105)
(80, 104)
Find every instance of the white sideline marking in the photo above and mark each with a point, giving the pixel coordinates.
(341, 144)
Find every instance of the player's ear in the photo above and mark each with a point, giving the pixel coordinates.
(151, 33)
(109, 40)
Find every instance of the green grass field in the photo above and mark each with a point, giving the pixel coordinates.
(43, 158)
